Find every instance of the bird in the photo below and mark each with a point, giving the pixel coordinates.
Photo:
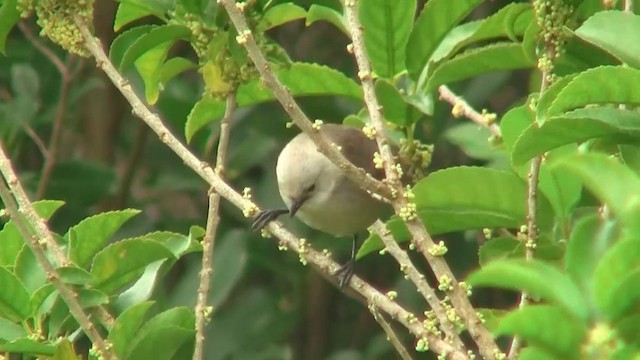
(318, 193)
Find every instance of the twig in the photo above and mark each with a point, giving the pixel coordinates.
(357, 175)
(532, 183)
(466, 110)
(287, 239)
(213, 219)
(131, 166)
(427, 292)
(401, 204)
(23, 216)
(391, 335)
(50, 156)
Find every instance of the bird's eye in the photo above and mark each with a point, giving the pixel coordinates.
(311, 188)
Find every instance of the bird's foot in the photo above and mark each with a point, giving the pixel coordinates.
(345, 273)
(266, 216)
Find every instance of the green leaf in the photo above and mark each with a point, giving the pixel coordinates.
(536, 278)
(631, 156)
(9, 17)
(610, 181)
(387, 25)
(162, 336)
(121, 262)
(89, 298)
(25, 81)
(602, 85)
(561, 336)
(394, 108)
(301, 79)
(534, 353)
(491, 58)
(149, 66)
(90, 235)
(280, 14)
(562, 188)
(81, 183)
(28, 270)
(11, 241)
(43, 299)
(123, 42)
(318, 12)
(473, 140)
(436, 19)
(131, 10)
(14, 299)
(510, 22)
(615, 279)
(603, 30)
(174, 67)
(498, 248)
(462, 198)
(74, 275)
(574, 127)
(65, 351)
(28, 346)
(126, 327)
(513, 124)
(545, 100)
(10, 331)
(157, 37)
(142, 289)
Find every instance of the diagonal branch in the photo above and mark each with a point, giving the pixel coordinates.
(462, 108)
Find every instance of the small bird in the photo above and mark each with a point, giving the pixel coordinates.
(318, 193)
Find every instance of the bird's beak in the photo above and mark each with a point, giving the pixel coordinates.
(295, 206)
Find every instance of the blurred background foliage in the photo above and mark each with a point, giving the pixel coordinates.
(266, 304)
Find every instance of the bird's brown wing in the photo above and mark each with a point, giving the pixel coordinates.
(353, 141)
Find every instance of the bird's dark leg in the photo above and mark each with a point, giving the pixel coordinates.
(345, 273)
(266, 216)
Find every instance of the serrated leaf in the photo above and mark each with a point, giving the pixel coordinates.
(10, 331)
(74, 275)
(131, 10)
(42, 300)
(126, 326)
(387, 25)
(513, 123)
(14, 299)
(156, 37)
(173, 67)
(9, 17)
(511, 21)
(28, 346)
(491, 58)
(496, 249)
(90, 235)
(280, 14)
(89, 298)
(602, 85)
(163, 335)
(561, 336)
(28, 270)
(461, 198)
(536, 278)
(603, 30)
(574, 127)
(11, 241)
(549, 95)
(615, 279)
(394, 108)
(613, 183)
(301, 79)
(121, 262)
(436, 19)
(318, 12)
(123, 42)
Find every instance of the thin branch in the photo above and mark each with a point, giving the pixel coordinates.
(357, 175)
(391, 335)
(401, 202)
(213, 219)
(287, 239)
(131, 166)
(462, 108)
(48, 53)
(427, 292)
(23, 217)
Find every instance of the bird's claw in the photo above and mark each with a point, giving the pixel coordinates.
(264, 217)
(345, 273)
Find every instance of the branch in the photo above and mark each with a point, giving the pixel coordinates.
(427, 292)
(357, 175)
(213, 219)
(391, 335)
(26, 219)
(462, 108)
(401, 202)
(287, 239)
